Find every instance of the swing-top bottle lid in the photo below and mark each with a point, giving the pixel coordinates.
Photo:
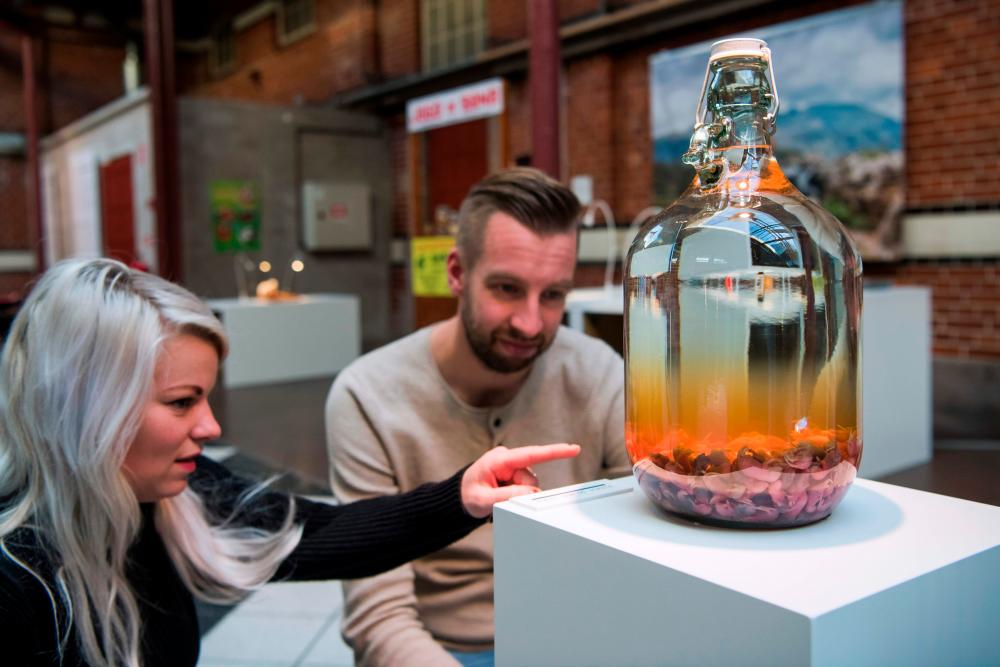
(741, 46)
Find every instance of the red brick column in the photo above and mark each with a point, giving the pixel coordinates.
(953, 160)
(589, 111)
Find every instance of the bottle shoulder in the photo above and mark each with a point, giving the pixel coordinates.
(725, 233)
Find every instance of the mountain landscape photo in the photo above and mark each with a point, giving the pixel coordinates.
(839, 135)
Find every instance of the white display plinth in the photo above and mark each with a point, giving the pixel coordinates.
(896, 370)
(893, 577)
(311, 336)
(593, 301)
(897, 406)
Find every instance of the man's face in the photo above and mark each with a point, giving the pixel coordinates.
(512, 301)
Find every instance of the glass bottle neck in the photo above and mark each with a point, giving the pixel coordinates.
(749, 131)
(738, 94)
(735, 122)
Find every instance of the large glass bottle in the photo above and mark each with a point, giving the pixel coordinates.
(742, 313)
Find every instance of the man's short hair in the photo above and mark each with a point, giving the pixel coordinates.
(534, 199)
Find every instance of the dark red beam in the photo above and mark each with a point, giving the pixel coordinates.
(31, 136)
(543, 79)
(158, 17)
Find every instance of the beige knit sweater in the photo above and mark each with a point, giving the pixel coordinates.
(393, 423)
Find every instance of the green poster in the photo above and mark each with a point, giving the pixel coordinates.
(235, 215)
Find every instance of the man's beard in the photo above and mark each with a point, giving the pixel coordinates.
(483, 343)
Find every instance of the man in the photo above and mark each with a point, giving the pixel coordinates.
(501, 371)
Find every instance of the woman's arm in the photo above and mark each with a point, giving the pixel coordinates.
(377, 534)
(342, 541)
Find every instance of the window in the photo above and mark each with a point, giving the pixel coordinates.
(222, 60)
(454, 32)
(296, 19)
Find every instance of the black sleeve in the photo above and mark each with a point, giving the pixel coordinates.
(27, 623)
(360, 539)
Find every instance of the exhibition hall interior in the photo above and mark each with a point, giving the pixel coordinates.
(745, 254)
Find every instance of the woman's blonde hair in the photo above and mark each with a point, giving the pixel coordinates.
(76, 373)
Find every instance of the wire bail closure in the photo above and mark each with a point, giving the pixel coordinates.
(709, 139)
(754, 48)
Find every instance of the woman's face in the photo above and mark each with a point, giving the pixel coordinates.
(177, 420)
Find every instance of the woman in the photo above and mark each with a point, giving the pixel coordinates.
(111, 521)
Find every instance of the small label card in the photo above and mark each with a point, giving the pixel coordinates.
(567, 495)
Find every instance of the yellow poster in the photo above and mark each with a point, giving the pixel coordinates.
(428, 265)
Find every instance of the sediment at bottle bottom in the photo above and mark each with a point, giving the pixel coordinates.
(752, 497)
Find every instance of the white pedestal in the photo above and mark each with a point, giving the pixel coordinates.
(315, 335)
(593, 301)
(896, 370)
(893, 577)
(898, 414)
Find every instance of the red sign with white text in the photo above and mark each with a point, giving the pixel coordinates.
(478, 100)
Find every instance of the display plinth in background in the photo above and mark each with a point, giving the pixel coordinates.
(893, 577)
(310, 336)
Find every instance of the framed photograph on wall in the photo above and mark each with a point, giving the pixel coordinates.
(840, 127)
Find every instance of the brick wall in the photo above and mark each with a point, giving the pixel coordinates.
(634, 152)
(399, 37)
(400, 301)
(14, 231)
(519, 119)
(506, 21)
(80, 79)
(952, 102)
(12, 101)
(13, 175)
(341, 55)
(966, 306)
(571, 10)
(966, 302)
(399, 151)
(953, 160)
(589, 111)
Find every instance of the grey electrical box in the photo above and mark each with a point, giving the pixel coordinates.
(336, 216)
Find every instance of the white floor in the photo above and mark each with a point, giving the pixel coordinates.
(294, 624)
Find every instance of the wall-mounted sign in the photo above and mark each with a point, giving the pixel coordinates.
(429, 265)
(235, 215)
(458, 105)
(336, 216)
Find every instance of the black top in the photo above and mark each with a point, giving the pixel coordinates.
(339, 542)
